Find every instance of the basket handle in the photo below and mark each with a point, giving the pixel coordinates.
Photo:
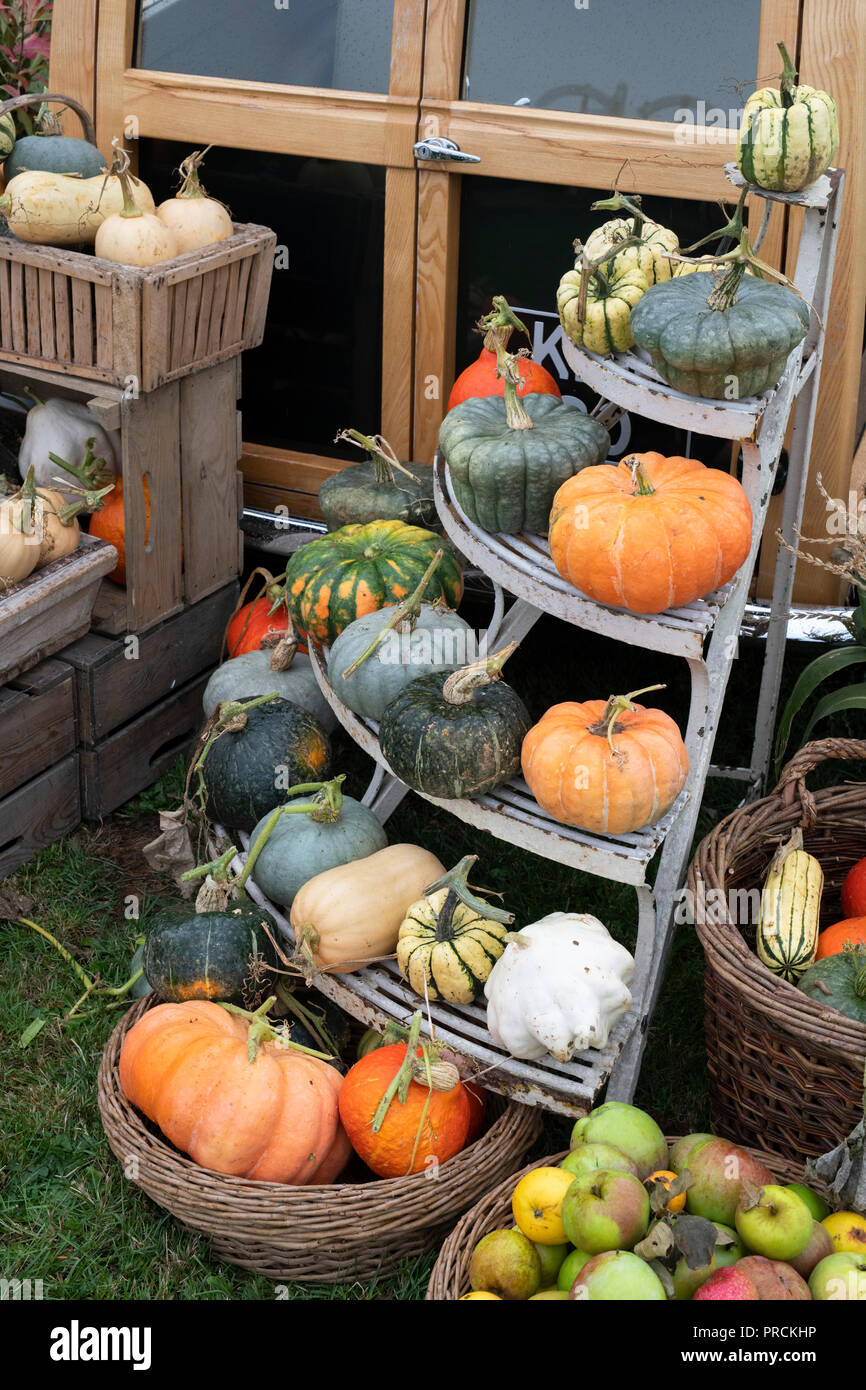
(793, 777)
(29, 98)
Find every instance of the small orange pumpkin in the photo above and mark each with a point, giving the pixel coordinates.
(649, 533)
(606, 766)
(396, 1137)
(832, 939)
(274, 1119)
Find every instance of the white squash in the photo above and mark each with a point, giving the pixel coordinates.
(63, 428)
(19, 541)
(559, 987)
(58, 210)
(195, 219)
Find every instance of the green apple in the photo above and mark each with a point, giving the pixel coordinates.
(551, 1258)
(617, 1276)
(816, 1204)
(840, 1277)
(778, 1225)
(627, 1128)
(548, 1294)
(718, 1167)
(507, 1264)
(680, 1151)
(570, 1268)
(819, 1247)
(588, 1158)
(686, 1281)
(605, 1211)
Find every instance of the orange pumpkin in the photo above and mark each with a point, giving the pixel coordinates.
(390, 1150)
(110, 525)
(274, 1119)
(832, 939)
(255, 622)
(477, 1109)
(650, 533)
(606, 766)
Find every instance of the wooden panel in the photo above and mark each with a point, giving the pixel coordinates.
(37, 715)
(443, 55)
(268, 497)
(150, 435)
(398, 314)
(209, 459)
(264, 465)
(435, 305)
(115, 38)
(73, 56)
(38, 814)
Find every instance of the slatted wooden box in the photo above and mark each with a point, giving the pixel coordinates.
(72, 312)
(39, 775)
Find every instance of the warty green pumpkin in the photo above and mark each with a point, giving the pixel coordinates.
(211, 955)
(450, 940)
(458, 735)
(380, 489)
(839, 982)
(359, 569)
(787, 137)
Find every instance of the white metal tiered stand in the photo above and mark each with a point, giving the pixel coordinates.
(704, 634)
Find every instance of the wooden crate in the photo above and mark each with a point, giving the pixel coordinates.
(37, 716)
(76, 313)
(51, 607)
(38, 813)
(115, 678)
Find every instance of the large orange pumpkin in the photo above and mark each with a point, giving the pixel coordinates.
(651, 532)
(275, 1119)
(610, 767)
(391, 1150)
(832, 939)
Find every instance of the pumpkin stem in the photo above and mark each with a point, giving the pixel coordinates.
(639, 477)
(188, 170)
(120, 168)
(618, 202)
(263, 1031)
(405, 611)
(516, 414)
(48, 122)
(439, 1076)
(733, 228)
(591, 270)
(461, 685)
(89, 473)
(381, 454)
(231, 717)
(457, 882)
(500, 323)
(616, 705)
(787, 77)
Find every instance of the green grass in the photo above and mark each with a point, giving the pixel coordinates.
(69, 1217)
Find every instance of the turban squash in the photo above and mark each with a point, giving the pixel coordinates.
(650, 533)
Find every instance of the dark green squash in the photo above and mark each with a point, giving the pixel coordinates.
(839, 982)
(212, 955)
(456, 735)
(249, 771)
(380, 489)
(142, 984)
(54, 152)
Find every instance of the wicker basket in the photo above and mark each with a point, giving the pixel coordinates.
(785, 1072)
(450, 1277)
(314, 1234)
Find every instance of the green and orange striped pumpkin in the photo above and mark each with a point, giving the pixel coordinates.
(361, 568)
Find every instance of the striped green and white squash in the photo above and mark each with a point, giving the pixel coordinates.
(648, 257)
(787, 934)
(7, 134)
(450, 940)
(788, 137)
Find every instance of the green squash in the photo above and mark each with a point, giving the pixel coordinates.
(722, 340)
(337, 578)
(380, 489)
(504, 471)
(212, 955)
(7, 134)
(787, 137)
(335, 1025)
(252, 674)
(248, 772)
(839, 982)
(52, 151)
(305, 842)
(456, 736)
(142, 984)
(435, 639)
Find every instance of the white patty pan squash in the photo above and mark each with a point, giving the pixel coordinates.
(560, 986)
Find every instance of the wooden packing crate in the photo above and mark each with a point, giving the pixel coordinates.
(76, 313)
(38, 813)
(51, 606)
(117, 678)
(37, 716)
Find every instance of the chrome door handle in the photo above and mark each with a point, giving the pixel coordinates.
(440, 147)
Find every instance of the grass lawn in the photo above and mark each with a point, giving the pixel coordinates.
(68, 1217)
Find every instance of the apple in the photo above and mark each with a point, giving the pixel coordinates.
(588, 1158)
(773, 1279)
(548, 1294)
(570, 1268)
(617, 1276)
(729, 1284)
(605, 1211)
(775, 1223)
(816, 1204)
(627, 1128)
(718, 1167)
(505, 1263)
(839, 1277)
(819, 1247)
(550, 1258)
(680, 1151)
(687, 1280)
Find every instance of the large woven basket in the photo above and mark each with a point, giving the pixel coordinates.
(320, 1234)
(450, 1277)
(785, 1071)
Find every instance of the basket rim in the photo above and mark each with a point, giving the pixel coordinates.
(516, 1124)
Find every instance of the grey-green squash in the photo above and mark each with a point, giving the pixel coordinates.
(381, 488)
(839, 982)
(253, 674)
(450, 940)
(787, 137)
(54, 152)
